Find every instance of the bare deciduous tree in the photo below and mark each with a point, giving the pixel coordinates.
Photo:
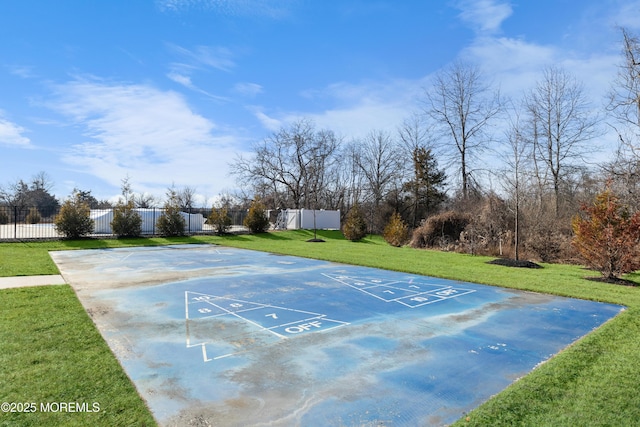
(290, 163)
(515, 160)
(462, 106)
(624, 96)
(562, 124)
(378, 162)
(42, 182)
(415, 134)
(145, 200)
(35, 193)
(624, 113)
(186, 197)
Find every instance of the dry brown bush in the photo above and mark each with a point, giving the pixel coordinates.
(441, 230)
(490, 227)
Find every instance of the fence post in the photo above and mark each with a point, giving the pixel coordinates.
(15, 222)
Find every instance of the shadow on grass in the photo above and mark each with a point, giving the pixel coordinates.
(294, 235)
(87, 243)
(270, 235)
(101, 243)
(235, 237)
(364, 241)
(633, 277)
(613, 281)
(275, 236)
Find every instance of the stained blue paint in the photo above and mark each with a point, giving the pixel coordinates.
(240, 337)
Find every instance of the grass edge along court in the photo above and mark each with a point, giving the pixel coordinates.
(593, 382)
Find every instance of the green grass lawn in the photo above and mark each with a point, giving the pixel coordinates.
(592, 383)
(51, 353)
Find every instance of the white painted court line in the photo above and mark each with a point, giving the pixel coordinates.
(439, 292)
(410, 293)
(234, 313)
(311, 322)
(424, 298)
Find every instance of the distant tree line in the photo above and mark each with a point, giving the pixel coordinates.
(36, 193)
(473, 170)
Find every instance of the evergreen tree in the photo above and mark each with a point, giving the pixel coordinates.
(74, 219)
(426, 188)
(126, 221)
(256, 220)
(171, 222)
(396, 233)
(355, 226)
(220, 219)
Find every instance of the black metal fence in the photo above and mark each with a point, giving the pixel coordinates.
(22, 222)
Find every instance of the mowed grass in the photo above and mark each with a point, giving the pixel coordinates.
(52, 354)
(592, 383)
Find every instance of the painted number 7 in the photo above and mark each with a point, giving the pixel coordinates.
(272, 315)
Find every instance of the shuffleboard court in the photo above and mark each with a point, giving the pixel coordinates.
(220, 336)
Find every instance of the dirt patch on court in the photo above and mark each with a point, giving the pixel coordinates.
(140, 278)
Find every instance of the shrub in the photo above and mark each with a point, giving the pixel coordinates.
(491, 220)
(545, 240)
(126, 221)
(171, 222)
(355, 226)
(257, 220)
(607, 236)
(396, 233)
(4, 217)
(440, 229)
(73, 220)
(33, 217)
(220, 220)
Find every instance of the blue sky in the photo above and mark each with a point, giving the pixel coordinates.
(170, 91)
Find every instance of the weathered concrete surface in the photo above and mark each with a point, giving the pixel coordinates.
(229, 337)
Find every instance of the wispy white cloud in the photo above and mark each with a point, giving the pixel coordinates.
(353, 110)
(484, 16)
(216, 57)
(359, 119)
(11, 134)
(200, 59)
(274, 9)
(23, 71)
(151, 135)
(186, 81)
(270, 123)
(515, 64)
(247, 89)
(627, 14)
(181, 79)
(512, 64)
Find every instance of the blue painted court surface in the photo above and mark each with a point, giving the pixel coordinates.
(228, 337)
